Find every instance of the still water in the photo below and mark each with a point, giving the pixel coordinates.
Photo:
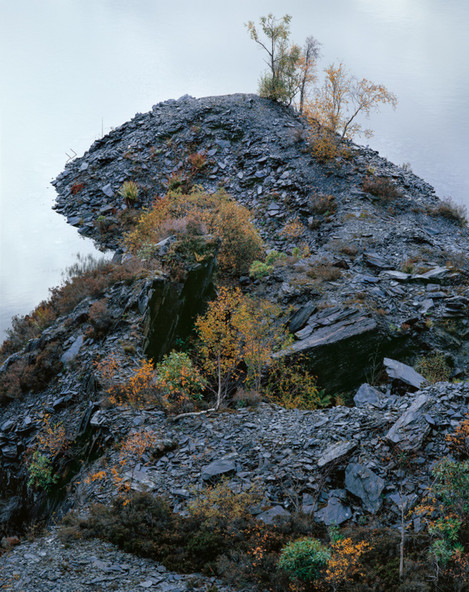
(71, 70)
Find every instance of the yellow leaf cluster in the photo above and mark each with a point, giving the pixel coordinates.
(344, 562)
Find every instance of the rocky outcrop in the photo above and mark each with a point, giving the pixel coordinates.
(171, 307)
(362, 281)
(377, 270)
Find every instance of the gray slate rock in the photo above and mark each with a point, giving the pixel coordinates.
(334, 513)
(272, 515)
(336, 452)
(366, 485)
(366, 395)
(412, 427)
(399, 371)
(218, 468)
(73, 350)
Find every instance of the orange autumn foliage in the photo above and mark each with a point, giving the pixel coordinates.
(344, 562)
(137, 389)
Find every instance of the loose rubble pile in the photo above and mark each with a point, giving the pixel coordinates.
(47, 564)
(376, 285)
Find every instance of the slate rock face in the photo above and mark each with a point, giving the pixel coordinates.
(171, 306)
(363, 483)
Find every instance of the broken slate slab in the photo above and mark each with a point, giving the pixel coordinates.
(412, 427)
(300, 318)
(400, 276)
(107, 190)
(366, 395)
(334, 513)
(272, 515)
(73, 350)
(434, 275)
(399, 371)
(218, 468)
(334, 333)
(364, 484)
(336, 452)
(375, 260)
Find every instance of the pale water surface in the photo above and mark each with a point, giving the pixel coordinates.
(72, 69)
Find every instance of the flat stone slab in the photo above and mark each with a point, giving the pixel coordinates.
(336, 452)
(73, 350)
(400, 276)
(366, 485)
(334, 513)
(399, 371)
(272, 515)
(412, 427)
(218, 468)
(366, 395)
(334, 333)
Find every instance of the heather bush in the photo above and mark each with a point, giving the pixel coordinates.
(323, 204)
(449, 209)
(434, 367)
(381, 187)
(218, 213)
(87, 277)
(100, 317)
(30, 373)
(324, 271)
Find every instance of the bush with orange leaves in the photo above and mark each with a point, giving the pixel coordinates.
(131, 452)
(218, 212)
(137, 389)
(344, 562)
(459, 441)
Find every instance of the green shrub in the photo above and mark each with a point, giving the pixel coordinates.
(292, 386)
(179, 378)
(41, 474)
(304, 560)
(129, 191)
(273, 256)
(259, 270)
